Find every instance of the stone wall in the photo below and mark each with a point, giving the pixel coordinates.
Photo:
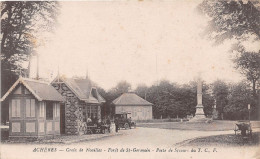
(73, 109)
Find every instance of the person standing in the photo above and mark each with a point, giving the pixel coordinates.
(108, 121)
(116, 123)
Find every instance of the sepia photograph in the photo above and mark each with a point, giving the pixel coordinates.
(114, 79)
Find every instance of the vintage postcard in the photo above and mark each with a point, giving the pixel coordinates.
(130, 79)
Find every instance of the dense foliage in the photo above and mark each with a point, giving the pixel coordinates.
(238, 20)
(172, 100)
(24, 26)
(231, 19)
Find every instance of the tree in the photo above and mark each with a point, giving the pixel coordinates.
(110, 95)
(220, 93)
(142, 90)
(239, 98)
(188, 97)
(162, 96)
(22, 25)
(172, 100)
(248, 63)
(231, 19)
(240, 20)
(207, 99)
(105, 110)
(122, 87)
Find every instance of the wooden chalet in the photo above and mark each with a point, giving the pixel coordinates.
(34, 109)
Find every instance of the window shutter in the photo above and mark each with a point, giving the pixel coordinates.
(32, 107)
(44, 109)
(58, 110)
(41, 109)
(18, 111)
(28, 109)
(54, 110)
(13, 108)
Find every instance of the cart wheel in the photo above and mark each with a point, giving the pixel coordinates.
(126, 126)
(134, 125)
(89, 132)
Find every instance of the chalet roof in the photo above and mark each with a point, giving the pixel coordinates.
(41, 90)
(131, 99)
(84, 89)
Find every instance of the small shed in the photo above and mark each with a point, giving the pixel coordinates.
(139, 108)
(34, 109)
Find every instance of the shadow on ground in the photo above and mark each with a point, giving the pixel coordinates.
(230, 140)
(217, 125)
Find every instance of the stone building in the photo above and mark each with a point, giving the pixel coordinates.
(139, 108)
(82, 101)
(34, 109)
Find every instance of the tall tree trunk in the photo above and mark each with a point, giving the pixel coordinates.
(6, 31)
(254, 88)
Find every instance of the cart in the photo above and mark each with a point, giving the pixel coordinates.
(244, 127)
(124, 121)
(97, 129)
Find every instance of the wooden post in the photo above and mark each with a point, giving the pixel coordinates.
(249, 112)
(1, 89)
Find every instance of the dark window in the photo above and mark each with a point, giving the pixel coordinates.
(94, 93)
(92, 111)
(49, 111)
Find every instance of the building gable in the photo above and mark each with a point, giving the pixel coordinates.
(18, 82)
(81, 88)
(40, 90)
(18, 90)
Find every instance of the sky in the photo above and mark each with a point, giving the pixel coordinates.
(138, 41)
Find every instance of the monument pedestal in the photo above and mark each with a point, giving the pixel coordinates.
(199, 111)
(199, 115)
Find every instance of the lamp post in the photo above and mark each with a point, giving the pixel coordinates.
(249, 112)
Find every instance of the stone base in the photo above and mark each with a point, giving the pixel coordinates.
(199, 115)
(199, 110)
(32, 138)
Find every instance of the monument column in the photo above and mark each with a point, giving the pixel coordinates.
(199, 108)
